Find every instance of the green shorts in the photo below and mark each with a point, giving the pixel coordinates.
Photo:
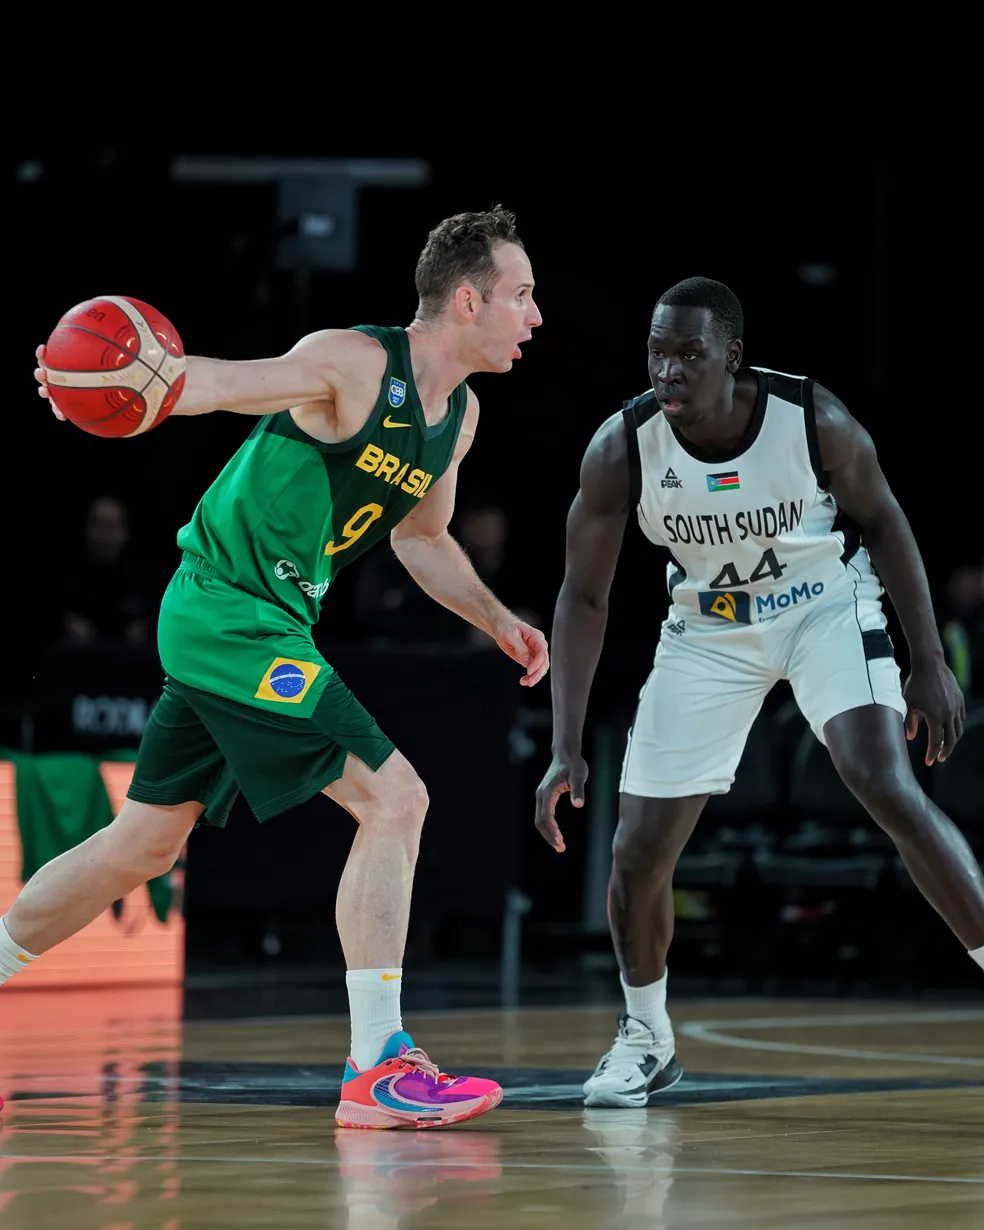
(205, 748)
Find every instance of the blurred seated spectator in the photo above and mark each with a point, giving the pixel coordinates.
(962, 626)
(389, 605)
(105, 594)
(483, 530)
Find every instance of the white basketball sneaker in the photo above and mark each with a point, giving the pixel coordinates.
(638, 1065)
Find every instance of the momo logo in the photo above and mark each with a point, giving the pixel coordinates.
(287, 680)
(767, 605)
(734, 606)
(287, 570)
(397, 393)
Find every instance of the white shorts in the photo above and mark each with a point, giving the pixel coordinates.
(709, 680)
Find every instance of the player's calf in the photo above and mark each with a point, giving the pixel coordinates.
(648, 840)
(66, 894)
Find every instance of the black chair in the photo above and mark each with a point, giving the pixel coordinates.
(736, 824)
(828, 839)
(957, 785)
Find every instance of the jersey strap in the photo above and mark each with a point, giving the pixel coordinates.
(634, 413)
(812, 438)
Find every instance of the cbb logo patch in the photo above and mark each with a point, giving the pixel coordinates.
(287, 680)
(397, 392)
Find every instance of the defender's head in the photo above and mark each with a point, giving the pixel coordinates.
(694, 347)
(474, 276)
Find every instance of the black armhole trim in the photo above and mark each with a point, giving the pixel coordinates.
(812, 438)
(877, 644)
(852, 535)
(632, 454)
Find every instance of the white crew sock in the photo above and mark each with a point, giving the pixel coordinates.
(648, 1005)
(374, 1008)
(977, 954)
(12, 956)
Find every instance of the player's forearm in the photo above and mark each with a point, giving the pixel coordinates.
(263, 386)
(444, 572)
(895, 555)
(578, 636)
(199, 393)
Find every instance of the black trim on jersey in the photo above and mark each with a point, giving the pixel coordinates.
(634, 412)
(675, 578)
(812, 438)
(877, 644)
(789, 388)
(852, 535)
(747, 440)
(644, 407)
(864, 648)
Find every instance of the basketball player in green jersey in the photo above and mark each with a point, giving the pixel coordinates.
(359, 434)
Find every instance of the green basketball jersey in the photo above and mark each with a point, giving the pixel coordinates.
(288, 512)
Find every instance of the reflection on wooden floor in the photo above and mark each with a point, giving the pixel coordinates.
(795, 1115)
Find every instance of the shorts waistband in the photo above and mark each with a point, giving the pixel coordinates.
(195, 563)
(190, 562)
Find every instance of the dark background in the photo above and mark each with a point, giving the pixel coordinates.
(860, 272)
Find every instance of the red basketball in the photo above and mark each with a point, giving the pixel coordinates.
(116, 367)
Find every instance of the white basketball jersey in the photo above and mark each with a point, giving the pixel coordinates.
(754, 534)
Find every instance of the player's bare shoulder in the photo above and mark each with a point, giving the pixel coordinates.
(354, 365)
(348, 355)
(840, 435)
(605, 482)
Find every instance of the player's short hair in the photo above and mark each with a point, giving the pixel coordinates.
(718, 299)
(462, 249)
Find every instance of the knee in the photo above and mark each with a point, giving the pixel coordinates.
(145, 841)
(142, 859)
(641, 850)
(159, 861)
(892, 796)
(402, 805)
(651, 834)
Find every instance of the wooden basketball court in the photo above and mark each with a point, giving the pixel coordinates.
(802, 1115)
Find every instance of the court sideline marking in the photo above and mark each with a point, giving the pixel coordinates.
(718, 1033)
(452, 1164)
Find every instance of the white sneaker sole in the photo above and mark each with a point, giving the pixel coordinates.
(600, 1096)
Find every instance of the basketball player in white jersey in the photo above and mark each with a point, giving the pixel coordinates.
(761, 485)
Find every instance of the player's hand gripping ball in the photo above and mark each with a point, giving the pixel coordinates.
(114, 366)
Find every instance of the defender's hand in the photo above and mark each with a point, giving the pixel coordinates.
(932, 691)
(527, 646)
(41, 376)
(566, 774)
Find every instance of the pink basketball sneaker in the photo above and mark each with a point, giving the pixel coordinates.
(405, 1090)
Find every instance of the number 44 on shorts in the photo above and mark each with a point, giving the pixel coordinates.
(768, 566)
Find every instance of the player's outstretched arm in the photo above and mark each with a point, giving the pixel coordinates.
(862, 491)
(441, 569)
(311, 371)
(595, 528)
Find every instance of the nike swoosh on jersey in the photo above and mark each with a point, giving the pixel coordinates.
(387, 422)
